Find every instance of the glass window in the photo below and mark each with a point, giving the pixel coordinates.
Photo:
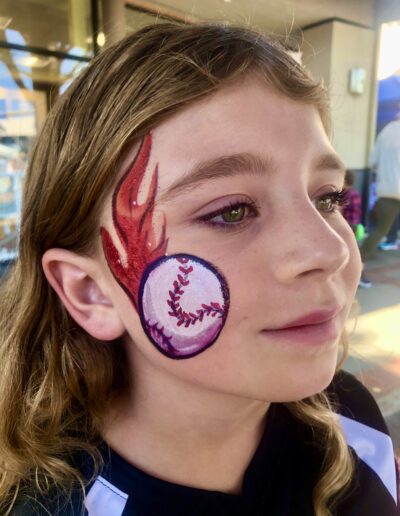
(43, 46)
(28, 84)
(56, 25)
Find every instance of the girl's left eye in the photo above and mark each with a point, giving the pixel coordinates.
(231, 216)
(330, 202)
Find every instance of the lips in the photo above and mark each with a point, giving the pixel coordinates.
(311, 318)
(311, 329)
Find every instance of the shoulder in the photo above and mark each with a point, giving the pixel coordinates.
(366, 433)
(389, 129)
(354, 401)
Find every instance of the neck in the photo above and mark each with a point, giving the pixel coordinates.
(178, 431)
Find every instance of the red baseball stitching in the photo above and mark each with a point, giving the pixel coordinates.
(189, 318)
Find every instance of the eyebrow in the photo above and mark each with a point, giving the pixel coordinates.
(235, 165)
(330, 161)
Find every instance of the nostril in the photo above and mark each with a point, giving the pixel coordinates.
(311, 272)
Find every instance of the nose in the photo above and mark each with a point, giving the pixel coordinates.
(308, 245)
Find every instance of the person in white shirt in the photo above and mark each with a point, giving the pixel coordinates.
(385, 159)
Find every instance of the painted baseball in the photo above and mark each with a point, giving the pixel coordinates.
(183, 304)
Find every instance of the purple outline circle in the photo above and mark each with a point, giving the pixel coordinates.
(205, 264)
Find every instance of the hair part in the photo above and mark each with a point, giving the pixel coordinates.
(56, 380)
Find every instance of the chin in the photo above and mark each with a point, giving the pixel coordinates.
(308, 385)
(298, 383)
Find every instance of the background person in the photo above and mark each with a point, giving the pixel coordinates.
(390, 243)
(351, 210)
(385, 158)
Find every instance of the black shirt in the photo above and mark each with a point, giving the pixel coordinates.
(278, 481)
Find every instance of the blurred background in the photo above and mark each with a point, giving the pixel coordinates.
(352, 45)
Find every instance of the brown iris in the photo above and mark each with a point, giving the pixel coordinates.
(325, 204)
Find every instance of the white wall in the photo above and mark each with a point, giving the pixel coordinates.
(353, 47)
(330, 51)
(317, 51)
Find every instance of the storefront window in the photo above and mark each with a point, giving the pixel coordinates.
(64, 25)
(43, 46)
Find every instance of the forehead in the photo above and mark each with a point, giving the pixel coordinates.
(247, 117)
(242, 118)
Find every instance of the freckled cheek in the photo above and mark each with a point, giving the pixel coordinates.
(352, 270)
(345, 231)
(355, 264)
(237, 261)
(247, 294)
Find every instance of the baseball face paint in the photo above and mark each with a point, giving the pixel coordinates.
(182, 300)
(183, 305)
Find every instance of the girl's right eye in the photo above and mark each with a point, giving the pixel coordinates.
(232, 216)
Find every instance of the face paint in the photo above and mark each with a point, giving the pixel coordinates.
(182, 300)
(183, 305)
(134, 226)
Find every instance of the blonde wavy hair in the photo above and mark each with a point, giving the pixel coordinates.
(56, 380)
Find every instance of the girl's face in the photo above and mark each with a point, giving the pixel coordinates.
(248, 182)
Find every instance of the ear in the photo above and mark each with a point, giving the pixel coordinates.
(80, 284)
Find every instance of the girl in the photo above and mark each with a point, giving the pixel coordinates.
(168, 343)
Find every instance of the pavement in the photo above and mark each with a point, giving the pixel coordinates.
(375, 338)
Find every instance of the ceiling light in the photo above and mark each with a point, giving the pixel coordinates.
(101, 39)
(33, 61)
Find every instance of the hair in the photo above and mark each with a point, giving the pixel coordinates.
(56, 380)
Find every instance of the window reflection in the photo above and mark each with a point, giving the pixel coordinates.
(57, 26)
(29, 84)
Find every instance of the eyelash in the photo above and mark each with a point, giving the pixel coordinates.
(248, 204)
(337, 199)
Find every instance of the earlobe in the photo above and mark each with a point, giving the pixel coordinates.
(78, 282)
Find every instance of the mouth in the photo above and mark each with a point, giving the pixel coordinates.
(312, 329)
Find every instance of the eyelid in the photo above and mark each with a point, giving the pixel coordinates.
(252, 207)
(328, 189)
(223, 203)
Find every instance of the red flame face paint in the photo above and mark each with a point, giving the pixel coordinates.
(134, 226)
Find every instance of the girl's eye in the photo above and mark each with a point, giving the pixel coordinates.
(231, 216)
(330, 202)
(234, 214)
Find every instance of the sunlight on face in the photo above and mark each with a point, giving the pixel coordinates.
(248, 182)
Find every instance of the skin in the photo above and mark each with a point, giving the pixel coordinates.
(198, 421)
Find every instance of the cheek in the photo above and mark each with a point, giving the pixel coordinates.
(352, 271)
(183, 305)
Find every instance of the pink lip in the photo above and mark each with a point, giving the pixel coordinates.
(312, 329)
(317, 317)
